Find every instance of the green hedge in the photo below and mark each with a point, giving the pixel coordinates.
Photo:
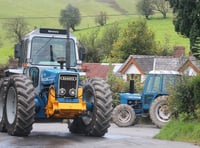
(184, 100)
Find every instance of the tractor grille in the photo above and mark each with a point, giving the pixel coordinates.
(67, 85)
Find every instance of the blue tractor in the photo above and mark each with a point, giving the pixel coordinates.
(47, 87)
(151, 102)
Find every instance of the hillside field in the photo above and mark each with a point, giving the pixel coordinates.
(46, 13)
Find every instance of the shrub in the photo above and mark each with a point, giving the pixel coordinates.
(195, 87)
(117, 85)
(184, 100)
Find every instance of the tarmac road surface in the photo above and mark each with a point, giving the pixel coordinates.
(57, 135)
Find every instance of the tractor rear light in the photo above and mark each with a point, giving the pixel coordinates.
(24, 65)
(83, 68)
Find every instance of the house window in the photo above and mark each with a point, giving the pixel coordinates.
(133, 77)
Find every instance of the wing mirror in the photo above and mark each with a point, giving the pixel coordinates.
(82, 53)
(17, 52)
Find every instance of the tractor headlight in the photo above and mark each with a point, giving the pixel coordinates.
(72, 92)
(62, 91)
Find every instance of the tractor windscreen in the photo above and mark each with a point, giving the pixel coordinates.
(46, 50)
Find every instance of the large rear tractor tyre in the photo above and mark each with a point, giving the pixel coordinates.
(123, 115)
(20, 105)
(3, 84)
(159, 111)
(96, 121)
(76, 125)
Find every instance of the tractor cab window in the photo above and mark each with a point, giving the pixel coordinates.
(46, 50)
(168, 82)
(153, 84)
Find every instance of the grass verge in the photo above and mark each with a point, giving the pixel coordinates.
(181, 131)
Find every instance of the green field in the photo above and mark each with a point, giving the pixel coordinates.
(46, 13)
(164, 28)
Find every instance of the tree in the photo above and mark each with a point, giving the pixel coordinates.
(101, 18)
(117, 85)
(109, 36)
(136, 39)
(162, 6)
(145, 8)
(70, 15)
(16, 28)
(91, 43)
(187, 20)
(196, 47)
(98, 44)
(167, 49)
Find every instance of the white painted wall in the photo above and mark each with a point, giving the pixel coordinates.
(189, 71)
(133, 70)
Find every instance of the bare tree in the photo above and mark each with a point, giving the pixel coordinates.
(162, 6)
(16, 28)
(101, 18)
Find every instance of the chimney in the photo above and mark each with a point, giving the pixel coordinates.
(179, 51)
(131, 87)
(190, 54)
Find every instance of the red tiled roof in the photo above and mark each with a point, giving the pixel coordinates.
(95, 70)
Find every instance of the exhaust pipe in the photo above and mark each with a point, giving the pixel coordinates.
(131, 86)
(67, 49)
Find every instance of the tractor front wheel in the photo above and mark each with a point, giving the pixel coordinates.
(96, 121)
(19, 105)
(123, 115)
(2, 105)
(159, 111)
(76, 125)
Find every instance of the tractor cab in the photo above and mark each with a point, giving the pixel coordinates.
(43, 47)
(157, 84)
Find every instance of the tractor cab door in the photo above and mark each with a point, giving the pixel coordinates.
(151, 89)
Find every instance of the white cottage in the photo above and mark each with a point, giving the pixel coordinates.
(137, 66)
(190, 67)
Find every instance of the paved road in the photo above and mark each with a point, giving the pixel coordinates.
(58, 136)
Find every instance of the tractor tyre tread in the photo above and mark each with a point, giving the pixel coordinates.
(102, 110)
(154, 118)
(25, 109)
(75, 126)
(3, 85)
(116, 114)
